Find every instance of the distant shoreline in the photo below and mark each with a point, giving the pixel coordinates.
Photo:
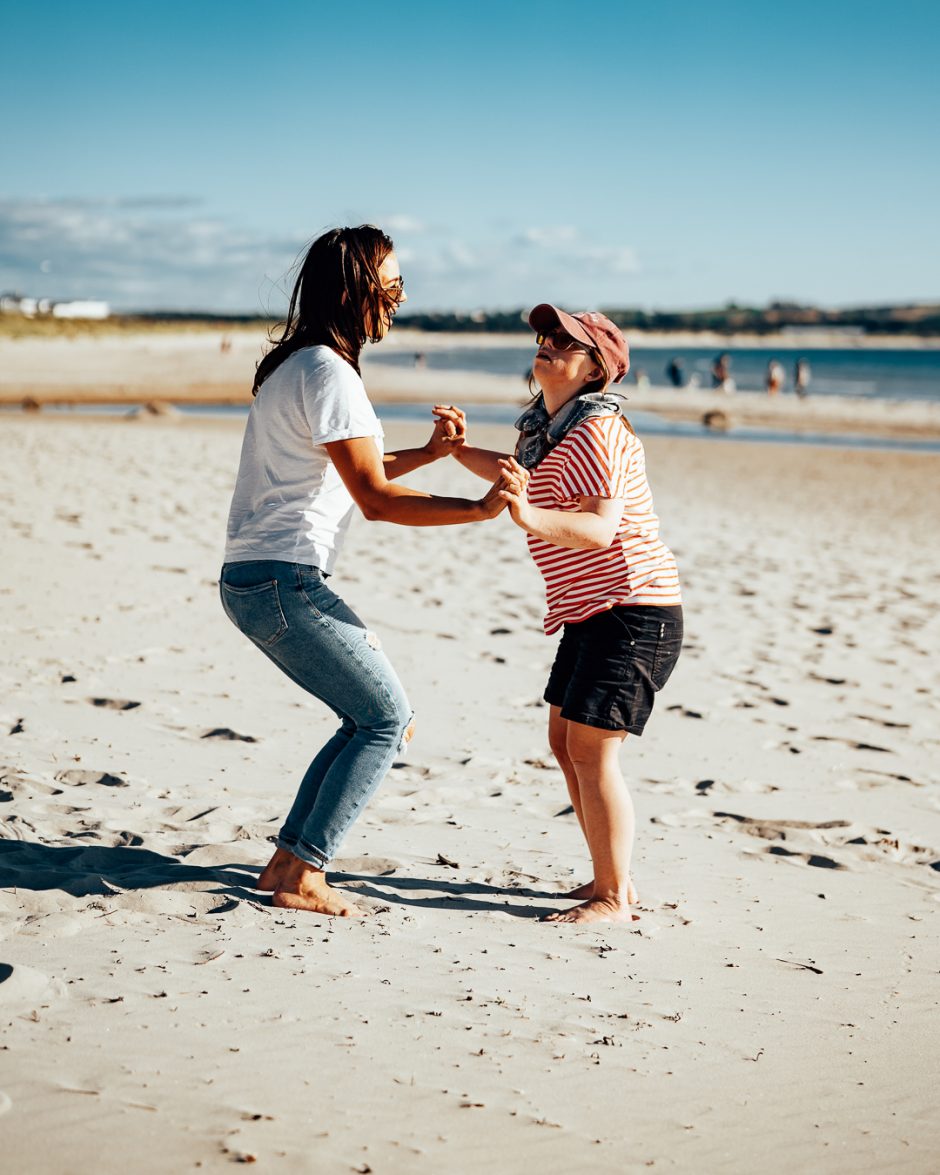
(185, 367)
(15, 328)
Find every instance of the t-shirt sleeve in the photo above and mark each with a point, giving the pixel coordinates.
(598, 460)
(335, 402)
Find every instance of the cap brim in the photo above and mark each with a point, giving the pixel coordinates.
(546, 317)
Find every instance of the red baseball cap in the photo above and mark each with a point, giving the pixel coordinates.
(588, 327)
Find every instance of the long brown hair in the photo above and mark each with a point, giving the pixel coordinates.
(337, 300)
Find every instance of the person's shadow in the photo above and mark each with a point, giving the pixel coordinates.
(88, 870)
(99, 870)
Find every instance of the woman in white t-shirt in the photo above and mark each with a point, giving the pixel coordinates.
(312, 453)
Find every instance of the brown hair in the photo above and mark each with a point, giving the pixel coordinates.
(337, 300)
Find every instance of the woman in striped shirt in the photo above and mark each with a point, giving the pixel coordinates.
(610, 582)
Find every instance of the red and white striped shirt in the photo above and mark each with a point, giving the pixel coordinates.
(601, 458)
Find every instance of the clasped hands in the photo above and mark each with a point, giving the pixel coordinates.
(508, 489)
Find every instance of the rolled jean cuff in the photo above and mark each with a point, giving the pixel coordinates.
(304, 852)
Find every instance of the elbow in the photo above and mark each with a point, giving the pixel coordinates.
(371, 509)
(602, 542)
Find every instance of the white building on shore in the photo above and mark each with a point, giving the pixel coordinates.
(84, 309)
(37, 307)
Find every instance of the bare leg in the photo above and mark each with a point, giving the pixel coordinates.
(558, 741)
(303, 887)
(607, 820)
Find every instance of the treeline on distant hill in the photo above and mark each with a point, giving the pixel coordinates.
(731, 319)
(887, 321)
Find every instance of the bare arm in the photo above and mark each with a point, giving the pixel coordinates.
(483, 462)
(592, 528)
(363, 472)
(450, 428)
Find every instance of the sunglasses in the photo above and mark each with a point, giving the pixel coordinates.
(559, 341)
(395, 290)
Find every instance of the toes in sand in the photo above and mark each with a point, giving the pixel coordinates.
(607, 909)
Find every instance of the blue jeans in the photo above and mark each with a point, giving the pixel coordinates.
(289, 613)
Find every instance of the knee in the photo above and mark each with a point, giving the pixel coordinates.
(559, 746)
(581, 753)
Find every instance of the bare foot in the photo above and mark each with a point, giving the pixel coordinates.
(301, 887)
(587, 891)
(273, 870)
(606, 909)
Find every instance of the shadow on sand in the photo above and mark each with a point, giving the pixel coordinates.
(94, 870)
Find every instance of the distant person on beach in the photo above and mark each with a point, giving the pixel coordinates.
(802, 374)
(775, 377)
(611, 584)
(675, 373)
(721, 373)
(312, 453)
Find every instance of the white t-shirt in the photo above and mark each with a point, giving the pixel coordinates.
(289, 502)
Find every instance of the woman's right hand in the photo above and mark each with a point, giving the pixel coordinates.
(451, 426)
(492, 504)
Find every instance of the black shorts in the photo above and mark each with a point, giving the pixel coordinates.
(609, 667)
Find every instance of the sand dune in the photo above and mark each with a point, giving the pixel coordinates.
(773, 1008)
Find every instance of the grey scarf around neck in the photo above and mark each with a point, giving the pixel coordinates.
(539, 433)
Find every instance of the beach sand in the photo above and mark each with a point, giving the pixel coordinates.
(180, 367)
(773, 1008)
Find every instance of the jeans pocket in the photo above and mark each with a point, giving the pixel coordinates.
(256, 611)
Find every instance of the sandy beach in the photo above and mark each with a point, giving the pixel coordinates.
(774, 1008)
(178, 367)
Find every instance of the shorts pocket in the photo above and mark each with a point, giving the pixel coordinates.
(255, 610)
(668, 648)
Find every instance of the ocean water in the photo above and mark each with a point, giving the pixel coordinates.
(876, 374)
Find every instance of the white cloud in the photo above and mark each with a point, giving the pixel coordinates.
(170, 252)
(549, 236)
(402, 223)
(141, 253)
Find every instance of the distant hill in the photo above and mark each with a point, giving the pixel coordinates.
(919, 320)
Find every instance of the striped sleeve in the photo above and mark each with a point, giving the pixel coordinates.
(597, 463)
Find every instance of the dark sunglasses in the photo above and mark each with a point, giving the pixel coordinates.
(560, 341)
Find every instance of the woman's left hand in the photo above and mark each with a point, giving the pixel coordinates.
(450, 431)
(514, 492)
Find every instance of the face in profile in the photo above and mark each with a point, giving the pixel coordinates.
(393, 295)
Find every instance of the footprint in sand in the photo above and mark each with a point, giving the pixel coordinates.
(16, 784)
(852, 843)
(226, 733)
(79, 777)
(114, 703)
(25, 988)
(686, 713)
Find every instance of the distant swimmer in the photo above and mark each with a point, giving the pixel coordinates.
(775, 377)
(802, 374)
(721, 373)
(675, 373)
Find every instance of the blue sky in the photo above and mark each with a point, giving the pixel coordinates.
(669, 155)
